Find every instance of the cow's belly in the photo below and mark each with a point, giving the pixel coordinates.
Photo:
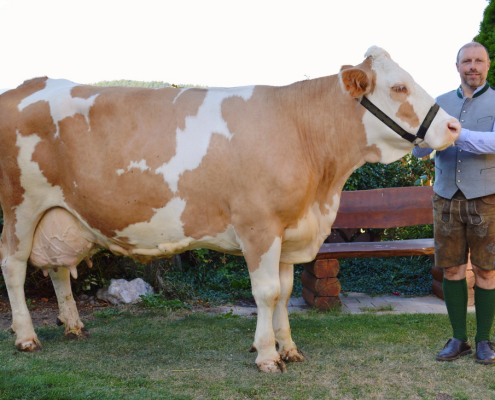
(60, 239)
(301, 243)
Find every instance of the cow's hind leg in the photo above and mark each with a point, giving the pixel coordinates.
(68, 315)
(14, 274)
(266, 291)
(286, 347)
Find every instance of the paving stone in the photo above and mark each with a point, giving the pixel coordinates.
(355, 303)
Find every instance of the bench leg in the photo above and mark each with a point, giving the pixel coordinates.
(321, 288)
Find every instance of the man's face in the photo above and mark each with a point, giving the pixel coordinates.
(473, 65)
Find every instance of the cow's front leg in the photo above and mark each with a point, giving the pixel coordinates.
(14, 274)
(68, 315)
(286, 347)
(266, 291)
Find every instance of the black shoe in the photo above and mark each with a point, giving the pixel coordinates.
(485, 353)
(453, 349)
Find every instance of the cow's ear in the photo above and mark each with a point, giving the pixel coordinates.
(355, 81)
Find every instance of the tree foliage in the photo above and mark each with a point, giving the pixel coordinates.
(486, 37)
(408, 171)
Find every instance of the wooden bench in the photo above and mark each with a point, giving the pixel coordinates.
(378, 209)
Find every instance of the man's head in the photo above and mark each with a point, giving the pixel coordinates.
(473, 63)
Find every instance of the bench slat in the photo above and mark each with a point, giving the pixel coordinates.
(385, 208)
(412, 247)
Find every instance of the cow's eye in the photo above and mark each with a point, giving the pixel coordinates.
(400, 89)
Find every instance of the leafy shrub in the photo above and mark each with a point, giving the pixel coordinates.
(158, 301)
(409, 276)
(408, 171)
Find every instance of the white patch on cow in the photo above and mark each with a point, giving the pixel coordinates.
(75, 184)
(141, 165)
(62, 105)
(265, 283)
(165, 227)
(227, 241)
(272, 256)
(39, 194)
(194, 140)
(300, 244)
(182, 91)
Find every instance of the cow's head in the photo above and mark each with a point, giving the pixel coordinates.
(395, 92)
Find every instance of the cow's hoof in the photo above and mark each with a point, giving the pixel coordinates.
(77, 334)
(30, 345)
(294, 355)
(273, 367)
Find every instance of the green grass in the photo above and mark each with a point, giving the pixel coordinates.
(161, 355)
(384, 308)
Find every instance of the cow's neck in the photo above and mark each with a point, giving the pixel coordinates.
(331, 133)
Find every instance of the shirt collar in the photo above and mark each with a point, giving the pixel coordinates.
(478, 92)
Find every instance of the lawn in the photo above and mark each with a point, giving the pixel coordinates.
(158, 355)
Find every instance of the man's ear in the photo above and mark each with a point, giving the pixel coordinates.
(354, 81)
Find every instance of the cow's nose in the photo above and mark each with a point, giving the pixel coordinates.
(454, 127)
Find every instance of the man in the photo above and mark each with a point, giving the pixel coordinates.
(464, 205)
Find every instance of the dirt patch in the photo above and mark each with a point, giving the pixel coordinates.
(44, 311)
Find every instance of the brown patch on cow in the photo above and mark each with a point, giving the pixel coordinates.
(407, 114)
(208, 191)
(31, 86)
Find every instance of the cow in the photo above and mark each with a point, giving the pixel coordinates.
(252, 171)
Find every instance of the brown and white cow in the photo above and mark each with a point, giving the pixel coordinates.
(254, 171)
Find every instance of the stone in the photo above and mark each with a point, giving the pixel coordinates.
(121, 291)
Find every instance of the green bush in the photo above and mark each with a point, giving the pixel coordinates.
(408, 171)
(408, 276)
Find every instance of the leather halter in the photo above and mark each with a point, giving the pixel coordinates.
(414, 139)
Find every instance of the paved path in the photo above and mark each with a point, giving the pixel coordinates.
(360, 303)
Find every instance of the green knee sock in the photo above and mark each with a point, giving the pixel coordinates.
(484, 300)
(456, 300)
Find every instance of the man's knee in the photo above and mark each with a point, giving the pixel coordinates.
(455, 273)
(484, 279)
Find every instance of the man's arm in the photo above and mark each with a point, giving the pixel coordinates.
(421, 152)
(476, 142)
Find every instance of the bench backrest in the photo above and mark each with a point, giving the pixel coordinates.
(385, 208)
